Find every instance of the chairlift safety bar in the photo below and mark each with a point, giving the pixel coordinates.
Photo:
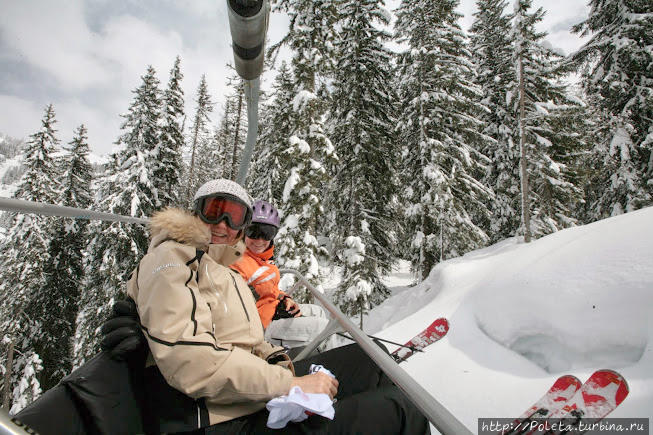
(437, 414)
(22, 206)
(9, 426)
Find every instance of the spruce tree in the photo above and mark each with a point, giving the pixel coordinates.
(311, 35)
(127, 188)
(236, 120)
(209, 159)
(270, 165)
(308, 151)
(171, 145)
(221, 137)
(218, 153)
(495, 74)
(200, 133)
(302, 203)
(24, 261)
(547, 114)
(362, 189)
(57, 304)
(617, 74)
(441, 132)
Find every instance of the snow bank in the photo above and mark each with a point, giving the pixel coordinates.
(576, 299)
(523, 314)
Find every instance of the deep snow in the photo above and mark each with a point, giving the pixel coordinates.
(522, 314)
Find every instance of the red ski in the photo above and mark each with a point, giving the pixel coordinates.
(560, 392)
(599, 396)
(565, 405)
(431, 334)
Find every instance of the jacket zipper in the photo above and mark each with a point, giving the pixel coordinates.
(240, 296)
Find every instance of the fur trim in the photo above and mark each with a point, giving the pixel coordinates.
(180, 225)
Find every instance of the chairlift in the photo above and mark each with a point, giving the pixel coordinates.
(248, 22)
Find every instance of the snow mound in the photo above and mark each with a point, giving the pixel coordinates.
(521, 315)
(574, 299)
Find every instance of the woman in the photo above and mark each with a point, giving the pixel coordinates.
(199, 317)
(209, 369)
(280, 314)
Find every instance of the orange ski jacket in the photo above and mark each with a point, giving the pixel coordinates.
(262, 276)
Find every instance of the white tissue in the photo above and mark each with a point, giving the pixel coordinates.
(297, 404)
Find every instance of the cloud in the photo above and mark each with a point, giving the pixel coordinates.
(87, 56)
(19, 116)
(52, 37)
(130, 44)
(22, 117)
(204, 9)
(560, 16)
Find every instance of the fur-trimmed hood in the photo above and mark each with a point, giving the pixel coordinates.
(181, 226)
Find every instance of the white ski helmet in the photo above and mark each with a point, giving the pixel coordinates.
(222, 187)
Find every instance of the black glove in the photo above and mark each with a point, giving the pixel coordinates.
(121, 333)
(281, 312)
(282, 359)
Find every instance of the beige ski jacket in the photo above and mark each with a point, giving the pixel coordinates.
(201, 322)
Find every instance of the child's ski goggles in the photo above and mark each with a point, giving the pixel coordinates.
(261, 231)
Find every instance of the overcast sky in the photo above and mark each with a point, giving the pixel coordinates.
(86, 56)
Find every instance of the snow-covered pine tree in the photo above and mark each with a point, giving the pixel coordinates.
(236, 119)
(171, 145)
(221, 136)
(545, 106)
(308, 151)
(209, 159)
(495, 75)
(9, 148)
(127, 188)
(602, 168)
(311, 35)
(617, 73)
(270, 164)
(57, 304)
(200, 133)
(361, 192)
(218, 154)
(25, 256)
(36, 183)
(302, 201)
(440, 133)
(568, 133)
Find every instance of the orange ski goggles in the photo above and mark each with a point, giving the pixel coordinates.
(215, 209)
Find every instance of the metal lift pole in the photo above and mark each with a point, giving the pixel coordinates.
(248, 21)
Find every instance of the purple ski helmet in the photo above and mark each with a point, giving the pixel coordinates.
(265, 213)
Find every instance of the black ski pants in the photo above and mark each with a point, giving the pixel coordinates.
(367, 402)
